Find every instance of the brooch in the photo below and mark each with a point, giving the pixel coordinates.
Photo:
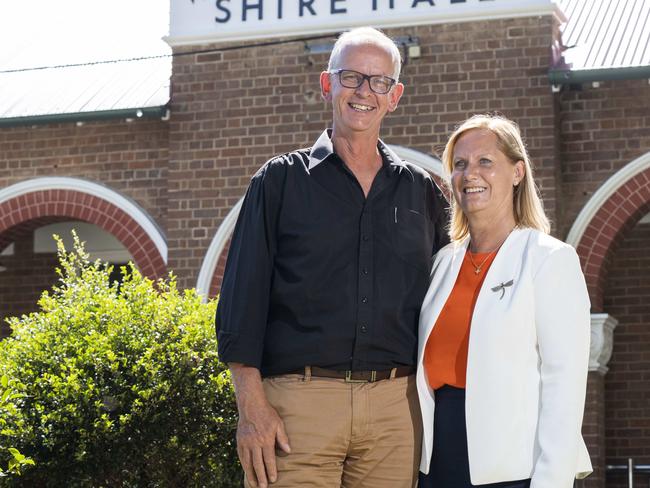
(502, 287)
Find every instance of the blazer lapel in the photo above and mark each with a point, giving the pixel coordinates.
(444, 275)
(505, 270)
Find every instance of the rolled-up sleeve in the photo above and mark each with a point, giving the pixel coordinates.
(563, 331)
(244, 299)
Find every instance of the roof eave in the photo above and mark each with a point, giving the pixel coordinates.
(127, 113)
(575, 77)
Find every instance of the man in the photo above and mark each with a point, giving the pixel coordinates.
(327, 271)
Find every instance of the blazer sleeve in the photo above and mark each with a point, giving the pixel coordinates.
(563, 332)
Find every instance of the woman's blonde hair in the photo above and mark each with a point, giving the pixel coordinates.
(527, 204)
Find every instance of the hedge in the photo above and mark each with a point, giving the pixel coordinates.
(115, 385)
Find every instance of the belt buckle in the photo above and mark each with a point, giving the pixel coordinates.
(348, 377)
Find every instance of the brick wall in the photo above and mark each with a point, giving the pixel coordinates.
(26, 277)
(602, 130)
(593, 429)
(627, 384)
(231, 111)
(130, 158)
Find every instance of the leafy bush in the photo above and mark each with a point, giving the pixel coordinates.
(9, 415)
(116, 385)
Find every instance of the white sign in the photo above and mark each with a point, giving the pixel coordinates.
(203, 21)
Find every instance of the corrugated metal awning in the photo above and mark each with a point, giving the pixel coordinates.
(84, 89)
(83, 60)
(604, 39)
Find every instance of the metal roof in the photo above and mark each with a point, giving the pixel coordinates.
(84, 89)
(602, 39)
(606, 34)
(83, 60)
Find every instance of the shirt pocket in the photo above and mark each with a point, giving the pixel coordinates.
(410, 236)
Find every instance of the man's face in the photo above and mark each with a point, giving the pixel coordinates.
(360, 109)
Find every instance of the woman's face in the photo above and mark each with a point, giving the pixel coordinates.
(483, 178)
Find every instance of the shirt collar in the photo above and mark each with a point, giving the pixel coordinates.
(323, 147)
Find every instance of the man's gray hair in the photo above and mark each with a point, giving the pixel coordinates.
(366, 35)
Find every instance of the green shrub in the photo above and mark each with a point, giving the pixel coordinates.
(9, 416)
(116, 386)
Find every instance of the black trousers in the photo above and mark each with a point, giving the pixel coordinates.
(449, 466)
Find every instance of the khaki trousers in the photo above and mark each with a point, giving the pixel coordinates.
(348, 435)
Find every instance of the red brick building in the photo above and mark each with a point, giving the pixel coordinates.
(166, 185)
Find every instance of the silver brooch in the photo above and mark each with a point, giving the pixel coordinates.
(502, 287)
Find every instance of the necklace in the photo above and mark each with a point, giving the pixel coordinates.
(477, 268)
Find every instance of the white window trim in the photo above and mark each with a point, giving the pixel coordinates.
(96, 190)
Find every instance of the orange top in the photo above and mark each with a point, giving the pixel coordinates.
(445, 355)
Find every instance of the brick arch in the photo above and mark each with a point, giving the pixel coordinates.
(33, 203)
(614, 209)
(212, 268)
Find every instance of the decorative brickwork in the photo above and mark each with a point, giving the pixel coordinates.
(72, 205)
(130, 159)
(602, 130)
(619, 213)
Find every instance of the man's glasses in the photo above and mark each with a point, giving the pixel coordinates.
(353, 79)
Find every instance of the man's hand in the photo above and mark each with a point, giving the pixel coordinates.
(259, 428)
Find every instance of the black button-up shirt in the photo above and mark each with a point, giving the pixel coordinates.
(318, 274)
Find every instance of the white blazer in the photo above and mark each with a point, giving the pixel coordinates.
(527, 362)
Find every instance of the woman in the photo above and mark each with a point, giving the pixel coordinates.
(504, 329)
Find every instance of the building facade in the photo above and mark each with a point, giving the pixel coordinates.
(167, 188)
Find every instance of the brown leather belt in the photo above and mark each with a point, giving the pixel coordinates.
(356, 376)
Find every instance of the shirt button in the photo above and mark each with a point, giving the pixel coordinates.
(364, 299)
(364, 329)
(365, 237)
(364, 271)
